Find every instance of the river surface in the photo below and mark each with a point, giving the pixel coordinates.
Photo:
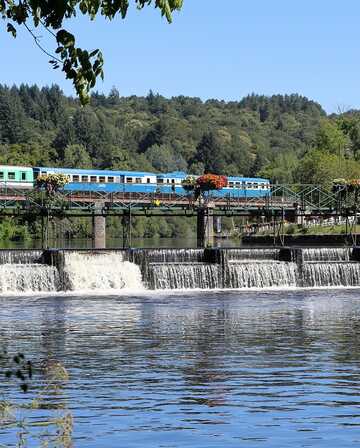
(195, 369)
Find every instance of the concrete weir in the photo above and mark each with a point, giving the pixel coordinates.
(159, 268)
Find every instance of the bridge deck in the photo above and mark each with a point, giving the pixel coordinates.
(304, 199)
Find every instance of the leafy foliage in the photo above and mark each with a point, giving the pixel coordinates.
(18, 367)
(79, 65)
(286, 138)
(51, 182)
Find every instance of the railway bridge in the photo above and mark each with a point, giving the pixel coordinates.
(284, 203)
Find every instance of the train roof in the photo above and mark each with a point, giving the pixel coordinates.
(94, 172)
(246, 179)
(173, 175)
(16, 167)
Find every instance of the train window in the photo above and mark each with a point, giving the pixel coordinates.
(43, 172)
(255, 186)
(102, 179)
(237, 184)
(84, 178)
(231, 184)
(76, 178)
(148, 180)
(23, 175)
(129, 180)
(138, 180)
(93, 179)
(1, 174)
(172, 181)
(11, 175)
(167, 181)
(160, 181)
(110, 179)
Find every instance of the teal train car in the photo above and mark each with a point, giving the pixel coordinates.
(16, 177)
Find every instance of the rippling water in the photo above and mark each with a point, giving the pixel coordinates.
(204, 369)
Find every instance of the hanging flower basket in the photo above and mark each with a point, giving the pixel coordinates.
(209, 182)
(51, 182)
(339, 185)
(189, 183)
(353, 185)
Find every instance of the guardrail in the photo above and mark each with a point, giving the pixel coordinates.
(304, 198)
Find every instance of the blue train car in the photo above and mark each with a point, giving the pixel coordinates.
(104, 180)
(244, 187)
(171, 182)
(89, 180)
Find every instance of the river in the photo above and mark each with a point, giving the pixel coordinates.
(186, 369)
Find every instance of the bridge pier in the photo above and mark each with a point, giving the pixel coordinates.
(217, 224)
(126, 226)
(98, 227)
(205, 226)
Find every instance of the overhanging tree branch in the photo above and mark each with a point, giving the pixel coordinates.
(81, 66)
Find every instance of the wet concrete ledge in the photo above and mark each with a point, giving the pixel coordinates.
(336, 240)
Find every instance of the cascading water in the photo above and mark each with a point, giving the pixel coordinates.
(184, 276)
(261, 274)
(22, 271)
(28, 278)
(317, 274)
(329, 267)
(252, 254)
(326, 254)
(18, 256)
(168, 255)
(99, 270)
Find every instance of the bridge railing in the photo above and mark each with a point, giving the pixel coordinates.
(294, 196)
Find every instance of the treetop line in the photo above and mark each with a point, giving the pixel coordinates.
(284, 138)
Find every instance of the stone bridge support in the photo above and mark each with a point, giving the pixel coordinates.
(205, 226)
(99, 227)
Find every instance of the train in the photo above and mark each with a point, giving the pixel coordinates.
(117, 181)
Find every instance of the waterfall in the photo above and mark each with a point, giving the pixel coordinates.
(106, 270)
(16, 256)
(99, 270)
(28, 278)
(326, 254)
(184, 276)
(261, 274)
(331, 274)
(252, 254)
(168, 255)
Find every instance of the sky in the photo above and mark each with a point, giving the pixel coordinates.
(213, 49)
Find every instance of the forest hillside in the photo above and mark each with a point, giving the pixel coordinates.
(287, 138)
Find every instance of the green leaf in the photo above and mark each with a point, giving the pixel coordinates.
(11, 29)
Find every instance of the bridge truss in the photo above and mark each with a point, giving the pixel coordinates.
(294, 203)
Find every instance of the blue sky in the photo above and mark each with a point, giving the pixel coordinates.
(310, 47)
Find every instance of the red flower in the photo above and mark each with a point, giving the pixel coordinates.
(208, 182)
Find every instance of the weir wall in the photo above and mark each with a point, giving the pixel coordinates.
(209, 268)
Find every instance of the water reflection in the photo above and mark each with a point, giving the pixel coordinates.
(198, 369)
